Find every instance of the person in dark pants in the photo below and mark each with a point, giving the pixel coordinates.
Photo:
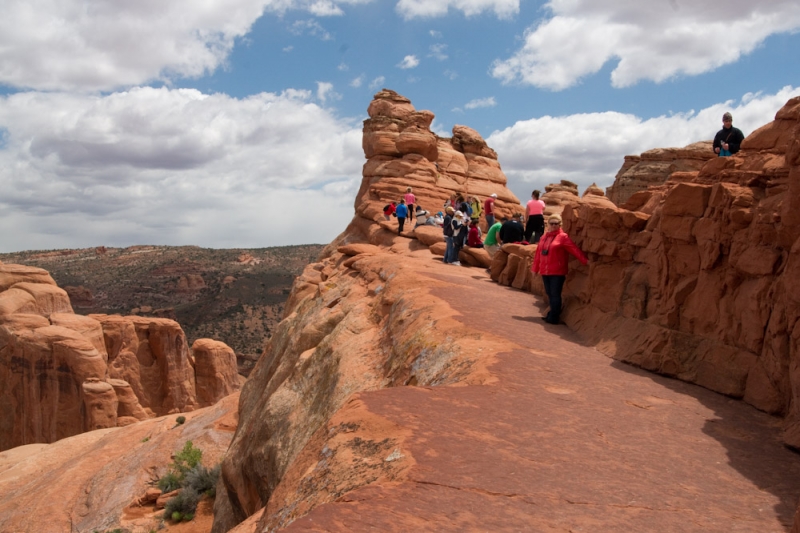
(402, 212)
(551, 259)
(534, 218)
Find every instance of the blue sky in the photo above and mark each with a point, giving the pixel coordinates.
(238, 123)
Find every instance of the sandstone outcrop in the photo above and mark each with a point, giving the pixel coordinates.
(695, 278)
(654, 167)
(351, 415)
(62, 374)
(101, 480)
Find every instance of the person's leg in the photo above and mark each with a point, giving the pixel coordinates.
(400, 222)
(529, 229)
(556, 286)
(448, 251)
(489, 221)
(410, 211)
(456, 251)
(538, 229)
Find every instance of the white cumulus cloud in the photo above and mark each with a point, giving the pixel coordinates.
(481, 102)
(377, 82)
(647, 40)
(408, 62)
(90, 45)
(410, 9)
(590, 148)
(178, 166)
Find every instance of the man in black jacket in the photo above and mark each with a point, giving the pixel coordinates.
(512, 230)
(728, 139)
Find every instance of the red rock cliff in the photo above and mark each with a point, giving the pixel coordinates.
(62, 374)
(696, 278)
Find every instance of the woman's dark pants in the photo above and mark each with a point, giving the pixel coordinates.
(534, 229)
(552, 287)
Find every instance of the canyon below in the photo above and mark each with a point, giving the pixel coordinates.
(368, 386)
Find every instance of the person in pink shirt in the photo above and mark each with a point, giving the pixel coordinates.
(534, 218)
(410, 201)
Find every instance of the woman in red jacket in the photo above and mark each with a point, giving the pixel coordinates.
(552, 256)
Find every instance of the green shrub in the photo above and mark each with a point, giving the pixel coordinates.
(182, 504)
(169, 482)
(188, 458)
(202, 480)
(180, 420)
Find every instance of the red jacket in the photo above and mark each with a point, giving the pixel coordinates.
(474, 237)
(558, 246)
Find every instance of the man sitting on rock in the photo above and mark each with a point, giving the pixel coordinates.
(727, 140)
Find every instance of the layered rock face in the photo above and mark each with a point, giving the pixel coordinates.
(62, 374)
(355, 321)
(402, 152)
(654, 167)
(697, 278)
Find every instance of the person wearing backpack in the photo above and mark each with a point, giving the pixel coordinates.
(388, 210)
(402, 212)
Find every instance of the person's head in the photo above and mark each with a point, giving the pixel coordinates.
(408, 189)
(535, 194)
(459, 214)
(503, 219)
(494, 195)
(449, 210)
(553, 222)
(727, 120)
(517, 216)
(439, 214)
(419, 208)
(402, 201)
(473, 223)
(394, 203)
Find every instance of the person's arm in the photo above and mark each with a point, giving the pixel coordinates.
(735, 141)
(536, 261)
(573, 249)
(717, 143)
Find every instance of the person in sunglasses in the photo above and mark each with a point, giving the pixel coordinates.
(551, 258)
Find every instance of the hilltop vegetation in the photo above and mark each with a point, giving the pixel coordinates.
(232, 295)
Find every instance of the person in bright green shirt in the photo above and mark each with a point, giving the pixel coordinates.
(490, 243)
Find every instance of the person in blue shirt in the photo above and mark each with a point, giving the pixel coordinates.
(402, 212)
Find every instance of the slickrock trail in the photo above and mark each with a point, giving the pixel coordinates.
(565, 439)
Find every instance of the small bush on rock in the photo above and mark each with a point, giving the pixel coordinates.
(185, 503)
(202, 480)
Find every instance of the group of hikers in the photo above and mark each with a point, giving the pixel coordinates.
(461, 217)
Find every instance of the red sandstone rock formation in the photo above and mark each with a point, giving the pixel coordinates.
(696, 278)
(62, 374)
(96, 481)
(314, 441)
(215, 370)
(654, 167)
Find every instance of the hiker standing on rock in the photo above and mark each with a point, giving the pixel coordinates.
(534, 218)
(728, 139)
(447, 229)
(551, 259)
(402, 212)
(488, 210)
(410, 201)
(460, 231)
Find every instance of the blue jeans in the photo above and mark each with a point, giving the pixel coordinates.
(448, 253)
(489, 221)
(552, 287)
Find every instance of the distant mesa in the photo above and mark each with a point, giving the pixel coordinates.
(62, 374)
